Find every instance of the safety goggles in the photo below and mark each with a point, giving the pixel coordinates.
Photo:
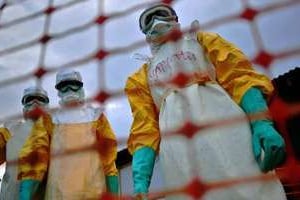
(30, 100)
(73, 85)
(70, 87)
(160, 12)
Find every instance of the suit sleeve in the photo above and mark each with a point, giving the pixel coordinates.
(34, 156)
(234, 71)
(4, 137)
(107, 146)
(144, 131)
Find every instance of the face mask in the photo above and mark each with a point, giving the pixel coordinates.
(155, 33)
(34, 103)
(71, 95)
(160, 28)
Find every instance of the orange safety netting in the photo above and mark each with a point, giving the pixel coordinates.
(279, 110)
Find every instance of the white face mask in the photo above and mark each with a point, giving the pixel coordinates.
(71, 97)
(27, 109)
(158, 29)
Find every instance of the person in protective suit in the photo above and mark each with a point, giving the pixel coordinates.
(81, 149)
(222, 84)
(13, 136)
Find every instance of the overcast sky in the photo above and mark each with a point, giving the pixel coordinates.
(279, 30)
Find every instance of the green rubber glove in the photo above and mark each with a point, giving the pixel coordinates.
(142, 169)
(28, 189)
(112, 183)
(265, 137)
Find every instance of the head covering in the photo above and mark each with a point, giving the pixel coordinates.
(161, 12)
(67, 76)
(35, 91)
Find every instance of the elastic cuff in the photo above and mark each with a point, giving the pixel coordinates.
(142, 169)
(28, 189)
(112, 183)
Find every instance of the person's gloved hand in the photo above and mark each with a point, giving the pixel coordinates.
(142, 169)
(267, 138)
(112, 184)
(28, 189)
(264, 137)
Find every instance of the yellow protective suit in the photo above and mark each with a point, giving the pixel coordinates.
(12, 139)
(222, 152)
(4, 137)
(234, 73)
(60, 148)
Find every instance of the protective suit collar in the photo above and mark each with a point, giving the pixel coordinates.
(79, 114)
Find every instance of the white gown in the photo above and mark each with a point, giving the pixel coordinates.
(19, 131)
(214, 154)
(77, 175)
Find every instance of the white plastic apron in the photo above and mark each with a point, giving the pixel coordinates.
(19, 132)
(79, 175)
(219, 153)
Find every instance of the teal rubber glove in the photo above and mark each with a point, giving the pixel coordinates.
(28, 189)
(264, 135)
(112, 183)
(142, 168)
